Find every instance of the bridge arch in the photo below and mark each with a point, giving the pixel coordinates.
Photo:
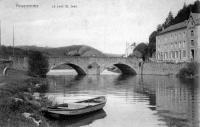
(125, 69)
(5, 71)
(77, 68)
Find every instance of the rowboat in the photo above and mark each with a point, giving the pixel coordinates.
(77, 108)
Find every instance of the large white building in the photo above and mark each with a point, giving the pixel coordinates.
(180, 42)
(129, 49)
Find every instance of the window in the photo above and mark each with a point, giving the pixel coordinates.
(192, 33)
(176, 44)
(192, 42)
(173, 54)
(184, 53)
(176, 54)
(166, 55)
(184, 44)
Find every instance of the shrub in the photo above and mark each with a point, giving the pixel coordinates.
(38, 64)
(191, 70)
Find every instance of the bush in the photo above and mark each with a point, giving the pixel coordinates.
(191, 70)
(38, 64)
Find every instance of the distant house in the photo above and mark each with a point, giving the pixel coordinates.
(129, 49)
(180, 42)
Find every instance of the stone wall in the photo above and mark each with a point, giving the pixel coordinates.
(20, 63)
(161, 68)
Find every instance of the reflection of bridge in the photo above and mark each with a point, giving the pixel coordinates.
(87, 65)
(96, 65)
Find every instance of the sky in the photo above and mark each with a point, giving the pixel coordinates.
(106, 25)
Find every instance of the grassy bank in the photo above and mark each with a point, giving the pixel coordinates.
(17, 99)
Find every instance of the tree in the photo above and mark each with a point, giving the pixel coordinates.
(159, 28)
(169, 20)
(37, 64)
(140, 51)
(152, 43)
(196, 7)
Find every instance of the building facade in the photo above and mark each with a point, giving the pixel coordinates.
(180, 42)
(129, 49)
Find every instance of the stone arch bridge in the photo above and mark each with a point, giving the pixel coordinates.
(87, 65)
(96, 65)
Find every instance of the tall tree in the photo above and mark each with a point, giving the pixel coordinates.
(168, 20)
(37, 64)
(159, 28)
(152, 43)
(196, 7)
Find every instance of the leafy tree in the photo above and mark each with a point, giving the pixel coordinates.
(152, 43)
(191, 70)
(37, 64)
(140, 51)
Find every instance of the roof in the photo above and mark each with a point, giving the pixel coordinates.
(174, 27)
(196, 17)
(181, 25)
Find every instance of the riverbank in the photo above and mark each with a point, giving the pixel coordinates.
(21, 99)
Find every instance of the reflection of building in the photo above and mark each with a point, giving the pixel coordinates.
(176, 101)
(180, 42)
(178, 105)
(129, 49)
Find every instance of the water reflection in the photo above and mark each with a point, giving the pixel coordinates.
(135, 100)
(77, 121)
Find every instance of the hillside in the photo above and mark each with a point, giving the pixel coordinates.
(74, 50)
(5, 52)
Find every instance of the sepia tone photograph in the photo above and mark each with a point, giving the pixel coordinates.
(99, 63)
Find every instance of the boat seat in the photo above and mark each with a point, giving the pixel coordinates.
(76, 105)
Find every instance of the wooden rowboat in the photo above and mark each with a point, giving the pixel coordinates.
(77, 108)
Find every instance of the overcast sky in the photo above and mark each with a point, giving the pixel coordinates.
(103, 24)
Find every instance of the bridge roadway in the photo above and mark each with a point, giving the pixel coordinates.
(87, 65)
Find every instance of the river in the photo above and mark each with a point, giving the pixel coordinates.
(132, 101)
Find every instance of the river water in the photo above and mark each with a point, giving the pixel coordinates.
(132, 101)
